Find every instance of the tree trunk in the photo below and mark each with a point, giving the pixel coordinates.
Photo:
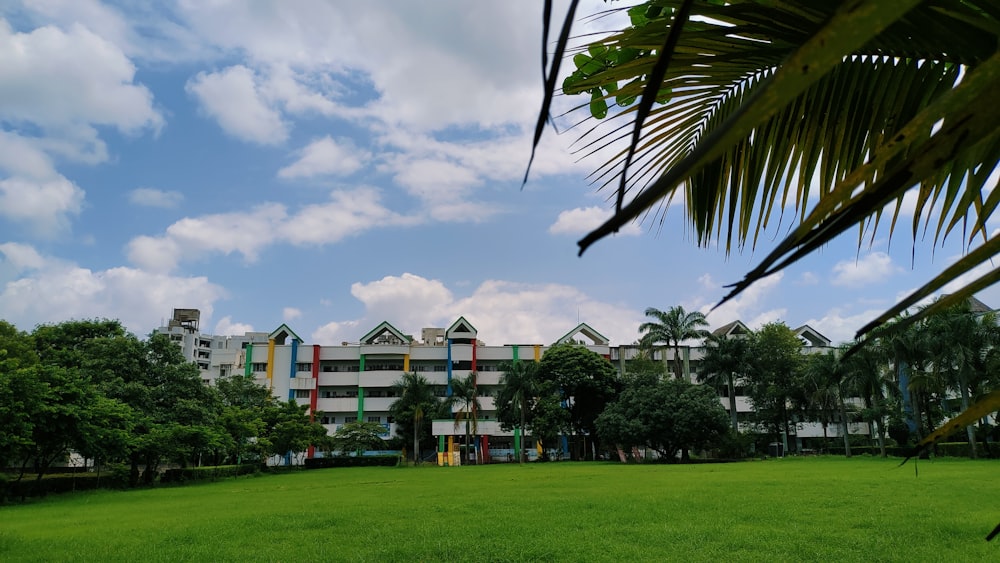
(843, 422)
(732, 404)
(416, 443)
(520, 454)
(678, 366)
(881, 436)
(969, 430)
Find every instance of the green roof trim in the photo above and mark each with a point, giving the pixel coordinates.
(384, 326)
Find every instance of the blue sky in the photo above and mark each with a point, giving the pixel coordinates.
(333, 167)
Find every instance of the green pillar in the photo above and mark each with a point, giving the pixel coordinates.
(441, 444)
(517, 443)
(361, 404)
(248, 364)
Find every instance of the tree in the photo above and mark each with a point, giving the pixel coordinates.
(834, 93)
(727, 360)
(666, 416)
(358, 436)
(673, 326)
(416, 403)
(581, 381)
(516, 398)
(775, 376)
(828, 384)
(465, 394)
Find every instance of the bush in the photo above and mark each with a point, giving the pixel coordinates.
(353, 461)
(210, 473)
(29, 486)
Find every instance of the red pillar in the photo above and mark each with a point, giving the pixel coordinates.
(313, 395)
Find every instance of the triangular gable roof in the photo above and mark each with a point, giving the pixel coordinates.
(812, 335)
(381, 329)
(978, 306)
(733, 328)
(283, 332)
(585, 329)
(461, 328)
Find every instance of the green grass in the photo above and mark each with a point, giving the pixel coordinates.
(816, 509)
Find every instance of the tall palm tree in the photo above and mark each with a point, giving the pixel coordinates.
(415, 400)
(519, 382)
(465, 394)
(671, 327)
(726, 360)
(866, 370)
(830, 386)
(743, 107)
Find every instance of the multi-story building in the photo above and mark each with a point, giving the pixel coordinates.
(353, 381)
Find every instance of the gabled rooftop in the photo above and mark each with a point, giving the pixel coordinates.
(385, 333)
(282, 333)
(595, 337)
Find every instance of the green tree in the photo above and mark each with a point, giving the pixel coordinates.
(671, 327)
(726, 361)
(516, 398)
(578, 379)
(413, 409)
(775, 377)
(732, 119)
(828, 384)
(664, 415)
(358, 436)
(465, 394)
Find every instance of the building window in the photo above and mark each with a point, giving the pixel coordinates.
(324, 420)
(303, 367)
(348, 419)
(260, 366)
(302, 393)
(374, 419)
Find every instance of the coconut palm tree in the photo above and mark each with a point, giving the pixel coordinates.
(830, 386)
(671, 327)
(824, 112)
(726, 360)
(416, 399)
(518, 385)
(465, 394)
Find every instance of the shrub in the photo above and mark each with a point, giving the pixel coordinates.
(210, 473)
(352, 461)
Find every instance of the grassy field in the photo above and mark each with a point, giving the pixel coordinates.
(814, 509)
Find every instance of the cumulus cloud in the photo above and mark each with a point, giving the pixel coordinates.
(44, 204)
(152, 197)
(840, 326)
(53, 78)
(326, 157)
(582, 220)
(226, 327)
(248, 232)
(752, 306)
(503, 312)
(46, 289)
(233, 99)
(290, 314)
(876, 267)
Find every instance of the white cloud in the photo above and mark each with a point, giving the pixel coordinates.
(582, 220)
(44, 204)
(876, 267)
(226, 327)
(55, 78)
(290, 314)
(248, 232)
(840, 328)
(53, 290)
(152, 197)
(326, 157)
(503, 312)
(232, 98)
(751, 306)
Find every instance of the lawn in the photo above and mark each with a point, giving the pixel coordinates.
(812, 509)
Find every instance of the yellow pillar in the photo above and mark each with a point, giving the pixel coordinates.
(270, 362)
(538, 352)
(406, 362)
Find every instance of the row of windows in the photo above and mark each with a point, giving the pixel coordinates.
(331, 419)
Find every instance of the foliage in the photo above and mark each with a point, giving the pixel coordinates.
(726, 361)
(414, 410)
(666, 416)
(208, 473)
(773, 383)
(574, 386)
(673, 326)
(352, 461)
(358, 436)
(732, 119)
